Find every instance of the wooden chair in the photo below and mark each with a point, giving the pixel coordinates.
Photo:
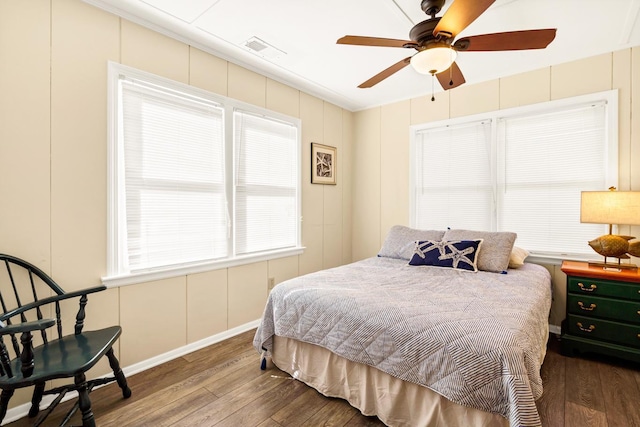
(58, 355)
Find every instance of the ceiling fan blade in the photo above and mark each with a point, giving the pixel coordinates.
(512, 40)
(460, 14)
(386, 73)
(451, 78)
(374, 41)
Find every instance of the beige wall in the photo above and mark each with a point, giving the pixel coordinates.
(53, 163)
(382, 138)
(53, 171)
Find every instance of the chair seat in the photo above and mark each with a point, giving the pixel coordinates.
(65, 357)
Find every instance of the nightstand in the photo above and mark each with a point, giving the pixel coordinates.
(603, 311)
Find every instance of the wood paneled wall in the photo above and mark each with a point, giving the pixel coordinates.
(53, 171)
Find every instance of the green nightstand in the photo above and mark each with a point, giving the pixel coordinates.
(603, 311)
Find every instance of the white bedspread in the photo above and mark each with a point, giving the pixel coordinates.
(476, 338)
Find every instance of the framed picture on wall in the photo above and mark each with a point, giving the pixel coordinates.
(323, 164)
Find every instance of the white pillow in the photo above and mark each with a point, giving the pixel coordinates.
(517, 257)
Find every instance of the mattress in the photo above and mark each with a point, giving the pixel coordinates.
(476, 338)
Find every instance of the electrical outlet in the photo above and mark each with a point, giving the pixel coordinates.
(271, 282)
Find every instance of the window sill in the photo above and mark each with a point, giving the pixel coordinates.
(115, 281)
(556, 259)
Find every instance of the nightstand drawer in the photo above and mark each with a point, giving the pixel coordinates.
(593, 287)
(604, 330)
(609, 308)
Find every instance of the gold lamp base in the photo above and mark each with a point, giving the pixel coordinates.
(617, 247)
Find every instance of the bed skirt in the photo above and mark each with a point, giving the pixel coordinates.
(395, 402)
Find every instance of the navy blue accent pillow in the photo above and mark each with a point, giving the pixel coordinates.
(456, 254)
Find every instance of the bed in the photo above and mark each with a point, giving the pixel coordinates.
(419, 345)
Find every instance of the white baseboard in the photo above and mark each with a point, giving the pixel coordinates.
(190, 348)
(20, 411)
(555, 329)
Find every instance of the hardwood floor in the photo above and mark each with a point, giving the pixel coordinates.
(589, 390)
(222, 385)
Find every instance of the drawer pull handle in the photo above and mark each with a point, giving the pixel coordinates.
(583, 329)
(590, 308)
(589, 289)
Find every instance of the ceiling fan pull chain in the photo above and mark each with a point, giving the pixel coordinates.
(433, 97)
(451, 74)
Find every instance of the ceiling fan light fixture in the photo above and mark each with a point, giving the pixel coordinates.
(433, 60)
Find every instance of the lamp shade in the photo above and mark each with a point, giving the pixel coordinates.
(433, 60)
(610, 207)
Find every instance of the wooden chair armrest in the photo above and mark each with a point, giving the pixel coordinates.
(49, 300)
(68, 295)
(35, 325)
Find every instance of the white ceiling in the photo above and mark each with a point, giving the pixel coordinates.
(304, 33)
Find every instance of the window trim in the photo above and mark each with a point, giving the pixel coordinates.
(610, 97)
(113, 278)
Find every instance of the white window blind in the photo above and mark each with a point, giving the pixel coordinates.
(452, 177)
(266, 187)
(174, 178)
(547, 160)
(519, 170)
(196, 180)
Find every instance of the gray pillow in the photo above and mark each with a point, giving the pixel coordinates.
(400, 242)
(496, 247)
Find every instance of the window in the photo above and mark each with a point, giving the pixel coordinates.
(518, 170)
(453, 182)
(196, 180)
(266, 185)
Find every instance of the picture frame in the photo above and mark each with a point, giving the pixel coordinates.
(323, 164)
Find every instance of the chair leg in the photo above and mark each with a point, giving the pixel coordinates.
(4, 402)
(36, 399)
(84, 403)
(122, 380)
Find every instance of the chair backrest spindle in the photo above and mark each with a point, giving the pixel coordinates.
(43, 333)
(58, 319)
(23, 318)
(14, 340)
(4, 305)
(5, 360)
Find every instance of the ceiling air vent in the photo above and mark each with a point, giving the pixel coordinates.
(262, 48)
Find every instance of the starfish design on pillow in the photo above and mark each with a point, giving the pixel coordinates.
(423, 247)
(456, 256)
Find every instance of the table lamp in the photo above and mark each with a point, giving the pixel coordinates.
(612, 207)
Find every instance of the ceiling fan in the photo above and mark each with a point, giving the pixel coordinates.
(437, 50)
